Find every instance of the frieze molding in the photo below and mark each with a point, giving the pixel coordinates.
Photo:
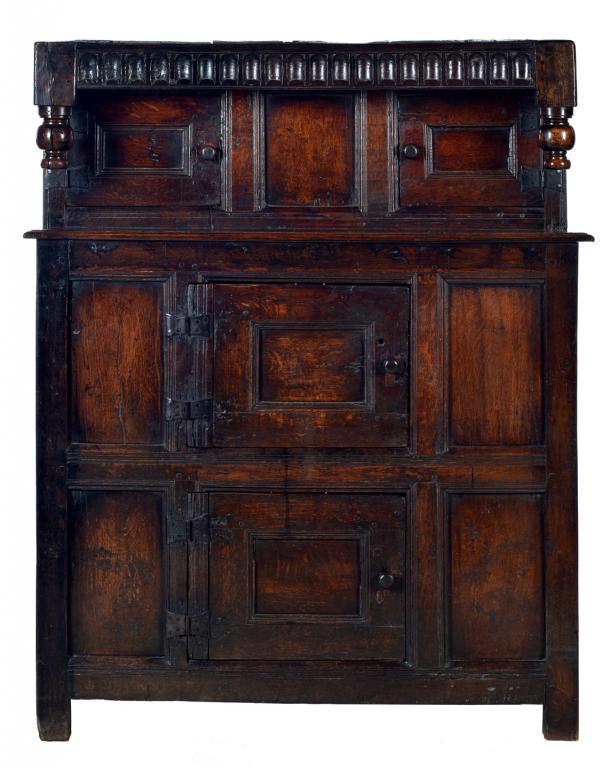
(323, 68)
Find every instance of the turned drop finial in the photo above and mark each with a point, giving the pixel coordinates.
(556, 137)
(54, 137)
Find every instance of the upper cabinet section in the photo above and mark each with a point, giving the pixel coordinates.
(268, 136)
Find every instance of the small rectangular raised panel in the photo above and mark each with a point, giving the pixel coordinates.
(311, 365)
(295, 576)
(153, 149)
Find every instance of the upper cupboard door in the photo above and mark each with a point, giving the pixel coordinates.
(466, 152)
(311, 365)
(151, 151)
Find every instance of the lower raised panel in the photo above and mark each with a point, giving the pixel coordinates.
(117, 575)
(307, 576)
(495, 580)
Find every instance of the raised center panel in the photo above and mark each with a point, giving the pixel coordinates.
(307, 576)
(292, 369)
(310, 151)
(311, 365)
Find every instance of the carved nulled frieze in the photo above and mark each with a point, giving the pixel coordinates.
(556, 137)
(54, 137)
(324, 68)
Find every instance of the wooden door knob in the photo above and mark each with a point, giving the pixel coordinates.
(394, 366)
(411, 151)
(385, 580)
(208, 152)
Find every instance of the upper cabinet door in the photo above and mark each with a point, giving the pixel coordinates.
(151, 151)
(311, 365)
(466, 152)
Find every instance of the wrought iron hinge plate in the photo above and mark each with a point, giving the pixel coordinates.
(529, 120)
(187, 325)
(532, 177)
(188, 409)
(181, 625)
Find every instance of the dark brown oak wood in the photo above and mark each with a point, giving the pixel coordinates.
(306, 375)
(491, 236)
(53, 699)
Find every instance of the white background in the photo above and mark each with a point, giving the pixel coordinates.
(219, 735)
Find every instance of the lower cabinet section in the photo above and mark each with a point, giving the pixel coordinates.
(181, 573)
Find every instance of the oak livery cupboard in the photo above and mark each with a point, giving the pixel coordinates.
(306, 375)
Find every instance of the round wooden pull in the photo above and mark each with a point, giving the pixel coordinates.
(385, 580)
(411, 151)
(393, 366)
(208, 152)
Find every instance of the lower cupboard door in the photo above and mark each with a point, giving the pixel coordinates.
(307, 576)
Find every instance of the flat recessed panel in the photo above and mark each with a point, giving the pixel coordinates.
(496, 576)
(312, 365)
(307, 576)
(495, 365)
(134, 149)
(117, 362)
(117, 574)
(470, 150)
(309, 150)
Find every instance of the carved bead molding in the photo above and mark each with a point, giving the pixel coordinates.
(54, 137)
(324, 69)
(556, 137)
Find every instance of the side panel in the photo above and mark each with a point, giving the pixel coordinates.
(118, 361)
(495, 579)
(117, 582)
(494, 363)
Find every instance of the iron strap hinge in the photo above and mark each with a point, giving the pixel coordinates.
(188, 409)
(181, 625)
(187, 325)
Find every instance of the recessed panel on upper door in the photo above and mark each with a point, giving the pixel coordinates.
(311, 365)
(467, 152)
